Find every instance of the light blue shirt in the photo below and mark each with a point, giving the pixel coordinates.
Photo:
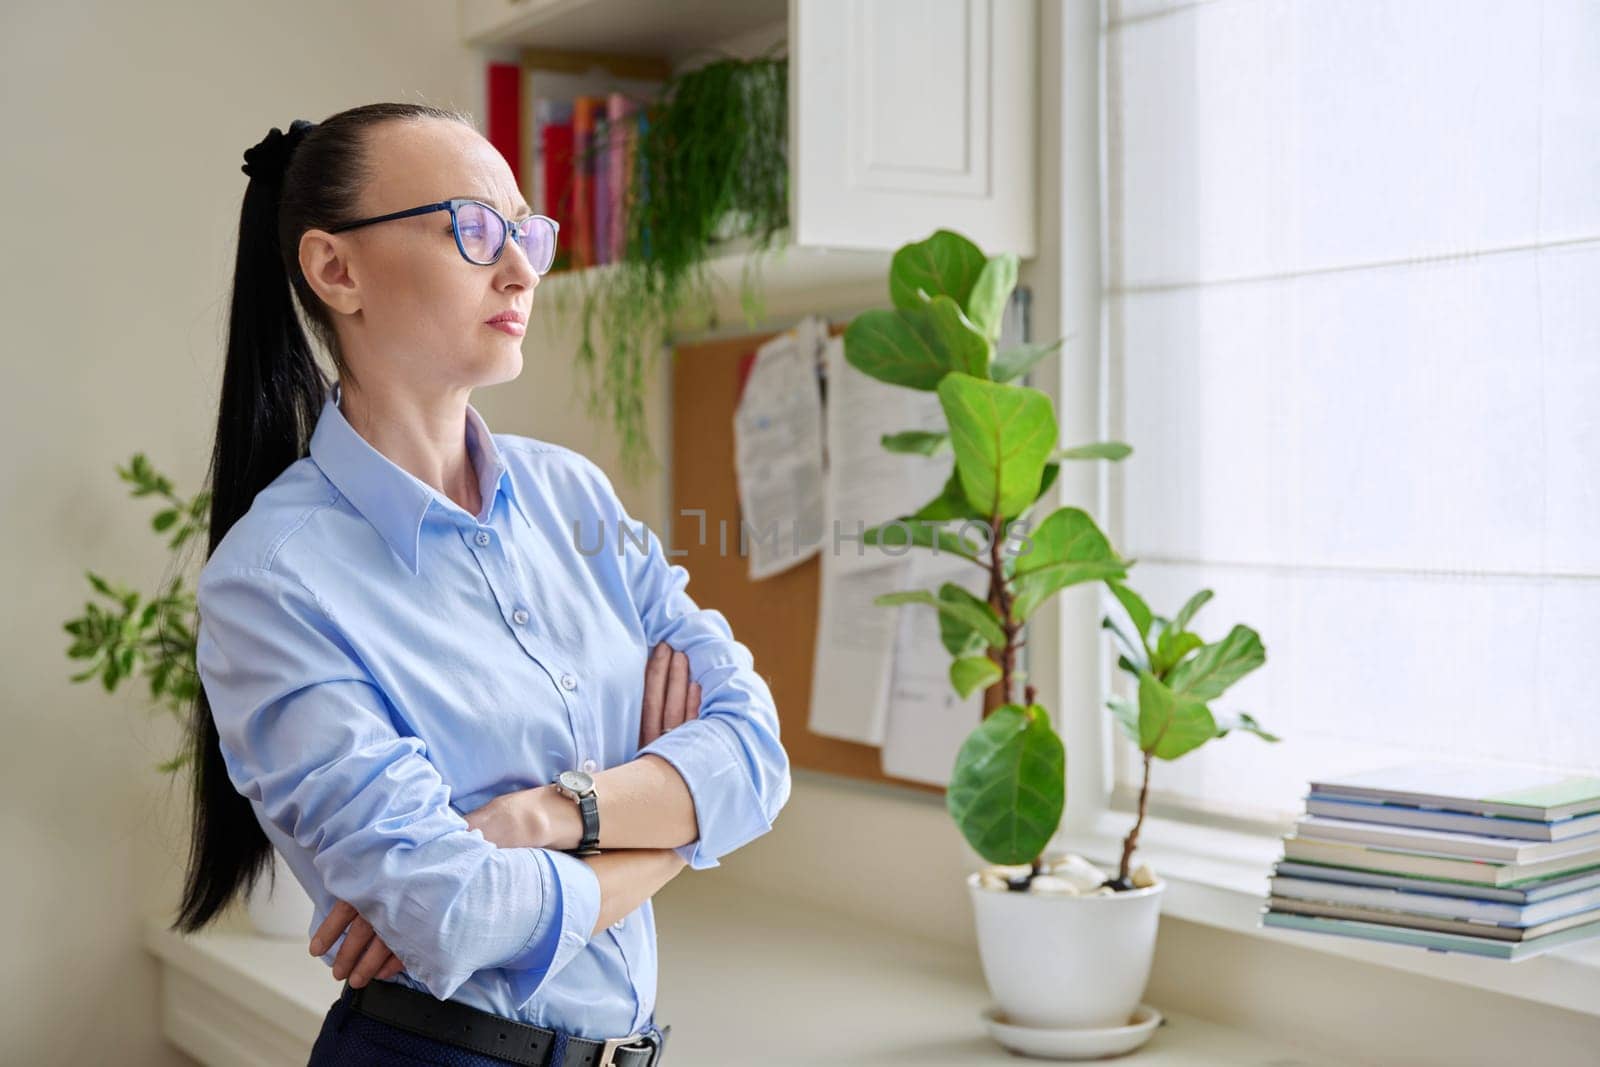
(379, 662)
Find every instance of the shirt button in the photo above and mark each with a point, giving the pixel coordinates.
(617, 925)
(520, 617)
(568, 682)
(483, 537)
(589, 765)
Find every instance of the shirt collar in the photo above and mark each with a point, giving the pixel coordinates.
(391, 498)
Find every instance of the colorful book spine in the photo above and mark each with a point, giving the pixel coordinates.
(556, 162)
(622, 124)
(585, 110)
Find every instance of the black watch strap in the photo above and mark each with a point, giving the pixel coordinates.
(589, 808)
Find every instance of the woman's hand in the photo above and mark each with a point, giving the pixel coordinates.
(670, 698)
(363, 956)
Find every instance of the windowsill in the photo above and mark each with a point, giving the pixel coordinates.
(775, 994)
(1218, 878)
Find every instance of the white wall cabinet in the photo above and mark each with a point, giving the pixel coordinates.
(911, 115)
(905, 116)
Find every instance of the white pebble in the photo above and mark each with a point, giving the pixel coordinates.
(1046, 883)
(1144, 877)
(991, 881)
(1084, 875)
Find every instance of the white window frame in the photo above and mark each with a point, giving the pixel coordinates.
(1216, 871)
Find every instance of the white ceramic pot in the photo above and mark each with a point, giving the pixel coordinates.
(278, 904)
(1059, 961)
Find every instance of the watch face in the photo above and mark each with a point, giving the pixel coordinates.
(577, 781)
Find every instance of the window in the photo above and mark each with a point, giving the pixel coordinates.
(1353, 334)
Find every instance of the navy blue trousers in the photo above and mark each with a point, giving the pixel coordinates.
(350, 1039)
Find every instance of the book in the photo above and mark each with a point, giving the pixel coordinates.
(1393, 861)
(600, 174)
(1465, 927)
(1539, 889)
(585, 109)
(1479, 790)
(1447, 842)
(1439, 905)
(622, 124)
(553, 196)
(1435, 819)
(1432, 939)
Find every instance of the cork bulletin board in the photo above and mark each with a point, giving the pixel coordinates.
(775, 617)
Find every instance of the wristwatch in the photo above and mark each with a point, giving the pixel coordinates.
(579, 785)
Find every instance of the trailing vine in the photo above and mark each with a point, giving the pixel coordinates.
(711, 167)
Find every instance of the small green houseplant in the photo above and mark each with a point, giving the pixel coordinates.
(1064, 947)
(137, 635)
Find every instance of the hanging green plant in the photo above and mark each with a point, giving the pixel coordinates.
(711, 167)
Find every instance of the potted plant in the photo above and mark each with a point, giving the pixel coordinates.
(1063, 945)
(134, 636)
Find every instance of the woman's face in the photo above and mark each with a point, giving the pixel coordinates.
(405, 301)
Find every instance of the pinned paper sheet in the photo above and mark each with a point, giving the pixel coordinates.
(864, 486)
(777, 430)
(928, 720)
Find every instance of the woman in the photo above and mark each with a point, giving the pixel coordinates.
(409, 627)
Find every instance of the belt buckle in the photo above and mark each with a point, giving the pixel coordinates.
(608, 1050)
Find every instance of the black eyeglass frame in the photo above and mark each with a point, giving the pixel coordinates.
(455, 228)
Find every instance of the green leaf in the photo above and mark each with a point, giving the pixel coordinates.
(1217, 666)
(1127, 716)
(1172, 646)
(1186, 613)
(957, 604)
(905, 530)
(1002, 436)
(1099, 450)
(958, 340)
(1008, 788)
(915, 442)
(1068, 548)
(986, 304)
(1135, 606)
(164, 519)
(1169, 724)
(945, 263)
(971, 673)
(886, 345)
(1016, 361)
(1227, 722)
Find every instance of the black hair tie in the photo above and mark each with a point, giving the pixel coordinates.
(270, 156)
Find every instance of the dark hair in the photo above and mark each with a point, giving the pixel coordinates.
(272, 392)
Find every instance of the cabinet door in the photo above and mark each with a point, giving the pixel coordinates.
(908, 116)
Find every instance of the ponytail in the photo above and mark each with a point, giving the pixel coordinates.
(273, 390)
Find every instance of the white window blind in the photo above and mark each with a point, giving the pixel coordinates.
(1353, 330)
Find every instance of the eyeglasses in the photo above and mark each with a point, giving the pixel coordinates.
(481, 231)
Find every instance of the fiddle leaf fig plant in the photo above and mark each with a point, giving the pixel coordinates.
(1007, 790)
(137, 635)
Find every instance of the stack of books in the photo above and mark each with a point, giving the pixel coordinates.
(586, 127)
(1492, 862)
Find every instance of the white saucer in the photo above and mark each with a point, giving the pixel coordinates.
(1074, 1044)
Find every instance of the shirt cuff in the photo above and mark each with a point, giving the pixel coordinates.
(571, 908)
(726, 806)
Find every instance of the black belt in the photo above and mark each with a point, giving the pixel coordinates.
(467, 1027)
